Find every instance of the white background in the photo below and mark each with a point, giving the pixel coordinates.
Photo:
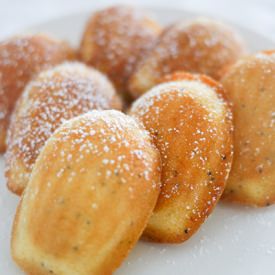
(258, 15)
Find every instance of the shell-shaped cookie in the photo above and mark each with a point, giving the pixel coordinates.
(21, 58)
(90, 195)
(55, 95)
(200, 46)
(115, 39)
(191, 125)
(250, 86)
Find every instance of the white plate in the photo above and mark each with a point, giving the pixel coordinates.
(234, 240)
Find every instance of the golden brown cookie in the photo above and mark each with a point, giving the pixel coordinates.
(191, 125)
(114, 41)
(250, 86)
(21, 58)
(91, 193)
(55, 95)
(199, 46)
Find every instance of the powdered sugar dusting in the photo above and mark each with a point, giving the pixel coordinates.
(110, 129)
(190, 115)
(250, 86)
(194, 89)
(53, 97)
(197, 46)
(21, 58)
(115, 39)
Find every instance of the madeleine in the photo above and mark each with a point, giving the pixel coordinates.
(53, 97)
(199, 46)
(115, 39)
(21, 58)
(191, 125)
(250, 86)
(91, 193)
